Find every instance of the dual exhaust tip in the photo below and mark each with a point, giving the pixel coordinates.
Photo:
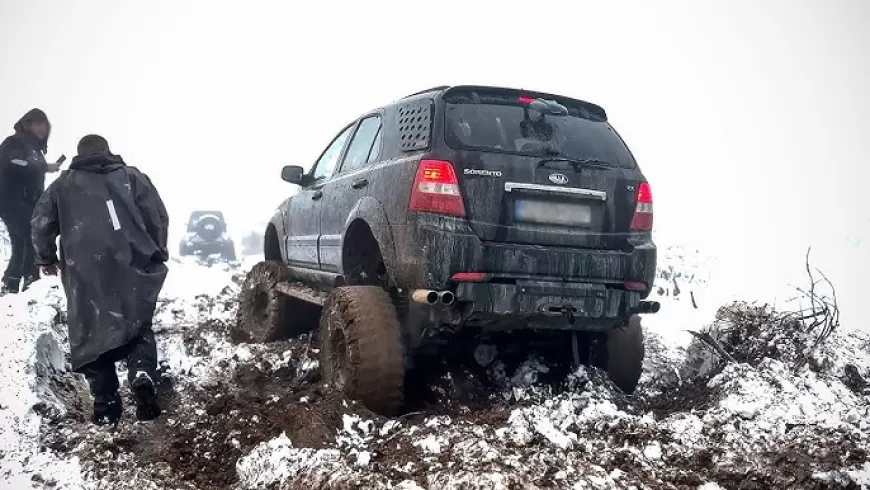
(431, 297)
(647, 307)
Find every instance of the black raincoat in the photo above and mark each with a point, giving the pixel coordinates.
(22, 166)
(113, 228)
(22, 181)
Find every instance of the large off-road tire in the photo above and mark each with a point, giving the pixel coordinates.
(361, 349)
(264, 313)
(625, 353)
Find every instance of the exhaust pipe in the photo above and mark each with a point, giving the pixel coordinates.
(425, 296)
(430, 297)
(647, 307)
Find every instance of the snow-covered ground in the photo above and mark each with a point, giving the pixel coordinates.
(249, 416)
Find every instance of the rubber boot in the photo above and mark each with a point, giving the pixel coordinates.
(145, 397)
(107, 409)
(10, 285)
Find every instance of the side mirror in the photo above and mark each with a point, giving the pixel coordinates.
(293, 174)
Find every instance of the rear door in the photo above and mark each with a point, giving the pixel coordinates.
(539, 169)
(304, 212)
(345, 189)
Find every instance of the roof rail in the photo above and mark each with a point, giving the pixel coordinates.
(433, 89)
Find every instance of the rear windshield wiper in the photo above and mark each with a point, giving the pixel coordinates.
(575, 161)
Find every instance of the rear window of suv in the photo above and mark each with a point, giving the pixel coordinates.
(505, 122)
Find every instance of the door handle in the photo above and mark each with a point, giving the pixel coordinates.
(360, 183)
(317, 195)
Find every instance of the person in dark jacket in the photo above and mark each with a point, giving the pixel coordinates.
(22, 181)
(113, 228)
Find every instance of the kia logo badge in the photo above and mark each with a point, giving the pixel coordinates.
(560, 179)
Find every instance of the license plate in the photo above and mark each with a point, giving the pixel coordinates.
(552, 213)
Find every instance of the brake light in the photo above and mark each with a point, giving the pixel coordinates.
(436, 189)
(525, 99)
(469, 277)
(643, 213)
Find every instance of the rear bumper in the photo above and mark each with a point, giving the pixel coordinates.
(206, 248)
(549, 299)
(439, 246)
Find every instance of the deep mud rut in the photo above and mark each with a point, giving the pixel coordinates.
(206, 428)
(509, 422)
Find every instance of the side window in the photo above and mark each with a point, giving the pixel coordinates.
(376, 148)
(326, 164)
(357, 154)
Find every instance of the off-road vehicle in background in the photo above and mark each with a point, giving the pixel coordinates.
(207, 237)
(459, 209)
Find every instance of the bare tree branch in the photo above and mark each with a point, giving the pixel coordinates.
(714, 344)
(749, 332)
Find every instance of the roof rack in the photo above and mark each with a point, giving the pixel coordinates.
(433, 89)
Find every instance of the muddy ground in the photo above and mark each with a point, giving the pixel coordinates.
(256, 416)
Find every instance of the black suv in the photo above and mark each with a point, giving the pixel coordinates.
(207, 236)
(460, 209)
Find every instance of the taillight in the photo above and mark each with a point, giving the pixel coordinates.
(643, 213)
(436, 189)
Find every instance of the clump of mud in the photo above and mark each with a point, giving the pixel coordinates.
(255, 403)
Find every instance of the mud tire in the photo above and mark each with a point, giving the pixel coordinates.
(361, 350)
(266, 315)
(625, 354)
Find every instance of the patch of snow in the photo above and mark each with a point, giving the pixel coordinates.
(32, 351)
(277, 461)
(430, 444)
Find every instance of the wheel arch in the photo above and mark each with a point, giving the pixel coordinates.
(275, 231)
(367, 220)
(272, 244)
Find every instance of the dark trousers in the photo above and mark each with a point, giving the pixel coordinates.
(140, 355)
(21, 263)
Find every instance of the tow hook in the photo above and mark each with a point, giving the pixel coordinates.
(569, 313)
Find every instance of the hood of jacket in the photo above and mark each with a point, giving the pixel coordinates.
(31, 116)
(99, 164)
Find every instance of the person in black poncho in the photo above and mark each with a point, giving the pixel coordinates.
(22, 181)
(113, 229)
